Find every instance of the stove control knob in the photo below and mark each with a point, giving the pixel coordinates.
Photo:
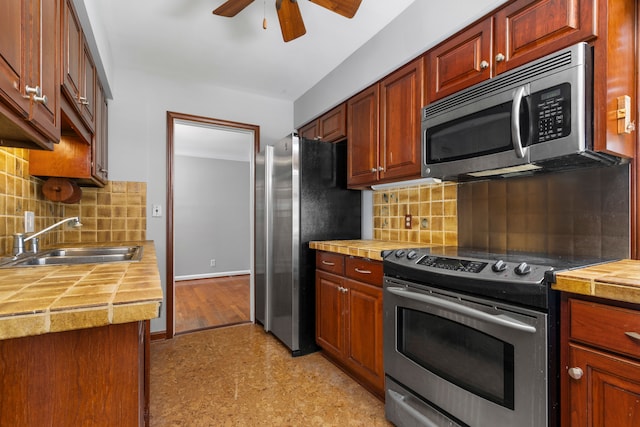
(412, 255)
(523, 269)
(399, 253)
(499, 266)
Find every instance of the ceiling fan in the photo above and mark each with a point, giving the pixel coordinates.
(291, 23)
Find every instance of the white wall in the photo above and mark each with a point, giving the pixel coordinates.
(138, 137)
(211, 217)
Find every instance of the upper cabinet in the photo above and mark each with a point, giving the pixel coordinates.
(79, 71)
(29, 70)
(330, 127)
(82, 152)
(520, 32)
(383, 132)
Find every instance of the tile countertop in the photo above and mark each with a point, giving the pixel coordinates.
(43, 299)
(618, 281)
(371, 249)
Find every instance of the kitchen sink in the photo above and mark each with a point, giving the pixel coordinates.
(66, 256)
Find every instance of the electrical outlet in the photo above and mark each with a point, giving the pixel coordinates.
(212, 263)
(156, 210)
(407, 221)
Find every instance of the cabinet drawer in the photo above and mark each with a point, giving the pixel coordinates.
(613, 328)
(364, 270)
(331, 262)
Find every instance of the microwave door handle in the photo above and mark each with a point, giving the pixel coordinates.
(520, 93)
(502, 320)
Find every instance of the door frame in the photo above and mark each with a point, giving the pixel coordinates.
(171, 118)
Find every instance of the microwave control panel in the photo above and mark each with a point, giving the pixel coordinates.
(552, 113)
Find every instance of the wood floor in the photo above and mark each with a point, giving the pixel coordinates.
(210, 303)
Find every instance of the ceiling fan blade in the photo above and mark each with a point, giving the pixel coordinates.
(291, 23)
(346, 8)
(232, 7)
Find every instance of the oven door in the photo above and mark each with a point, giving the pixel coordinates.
(480, 363)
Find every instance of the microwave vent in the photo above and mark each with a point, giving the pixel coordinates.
(561, 60)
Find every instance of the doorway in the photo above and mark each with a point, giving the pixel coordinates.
(210, 221)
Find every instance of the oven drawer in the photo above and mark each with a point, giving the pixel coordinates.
(364, 270)
(331, 262)
(613, 328)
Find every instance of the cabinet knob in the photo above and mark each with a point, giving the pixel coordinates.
(380, 169)
(575, 373)
(484, 65)
(374, 170)
(35, 93)
(83, 101)
(500, 57)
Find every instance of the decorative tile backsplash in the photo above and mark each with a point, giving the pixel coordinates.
(433, 209)
(116, 212)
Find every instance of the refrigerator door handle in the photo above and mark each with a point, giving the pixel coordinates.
(268, 219)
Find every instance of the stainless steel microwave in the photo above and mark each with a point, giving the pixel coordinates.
(534, 118)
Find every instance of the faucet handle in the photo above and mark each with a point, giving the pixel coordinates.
(18, 243)
(35, 245)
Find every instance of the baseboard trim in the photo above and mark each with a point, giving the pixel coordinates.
(212, 275)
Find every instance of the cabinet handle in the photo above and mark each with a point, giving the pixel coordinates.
(500, 57)
(575, 373)
(343, 290)
(484, 65)
(328, 263)
(83, 101)
(363, 271)
(633, 335)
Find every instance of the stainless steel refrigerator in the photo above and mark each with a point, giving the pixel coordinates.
(301, 196)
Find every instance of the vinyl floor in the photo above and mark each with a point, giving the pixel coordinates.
(241, 376)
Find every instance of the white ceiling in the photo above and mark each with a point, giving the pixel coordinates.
(183, 39)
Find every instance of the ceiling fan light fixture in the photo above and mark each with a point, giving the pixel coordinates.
(291, 23)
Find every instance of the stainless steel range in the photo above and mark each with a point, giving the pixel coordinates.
(471, 338)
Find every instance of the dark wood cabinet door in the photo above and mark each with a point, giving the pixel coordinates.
(364, 332)
(72, 49)
(45, 67)
(526, 30)
(99, 148)
(14, 54)
(608, 393)
(309, 131)
(400, 103)
(460, 61)
(330, 312)
(88, 92)
(362, 137)
(332, 126)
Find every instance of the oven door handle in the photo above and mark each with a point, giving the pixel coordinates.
(501, 319)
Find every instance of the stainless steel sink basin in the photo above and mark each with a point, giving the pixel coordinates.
(93, 255)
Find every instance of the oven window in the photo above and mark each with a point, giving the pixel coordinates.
(473, 360)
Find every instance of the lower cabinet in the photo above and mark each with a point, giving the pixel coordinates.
(349, 316)
(93, 376)
(601, 364)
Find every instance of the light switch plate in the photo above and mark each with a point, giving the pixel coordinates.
(29, 222)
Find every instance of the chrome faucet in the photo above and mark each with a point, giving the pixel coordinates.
(19, 240)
